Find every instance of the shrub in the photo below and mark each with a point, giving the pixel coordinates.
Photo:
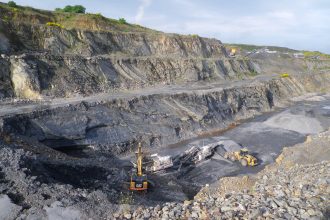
(97, 15)
(122, 21)
(72, 8)
(12, 4)
(54, 24)
(194, 35)
(309, 54)
(5, 18)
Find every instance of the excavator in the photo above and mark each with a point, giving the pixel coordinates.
(232, 52)
(139, 181)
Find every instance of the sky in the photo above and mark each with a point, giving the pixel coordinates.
(297, 24)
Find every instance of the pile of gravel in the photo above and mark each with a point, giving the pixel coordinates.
(301, 192)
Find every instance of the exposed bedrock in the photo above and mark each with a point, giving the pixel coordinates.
(47, 61)
(68, 75)
(158, 119)
(22, 37)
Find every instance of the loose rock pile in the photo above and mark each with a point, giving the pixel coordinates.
(296, 187)
(302, 192)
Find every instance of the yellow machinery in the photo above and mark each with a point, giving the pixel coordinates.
(242, 156)
(284, 75)
(139, 180)
(232, 52)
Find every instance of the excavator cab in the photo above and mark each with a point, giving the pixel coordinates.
(244, 152)
(139, 181)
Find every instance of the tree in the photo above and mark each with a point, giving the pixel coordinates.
(122, 21)
(12, 4)
(73, 9)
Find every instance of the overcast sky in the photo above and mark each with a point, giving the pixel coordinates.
(298, 24)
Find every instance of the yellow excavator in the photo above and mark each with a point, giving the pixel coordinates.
(139, 181)
(232, 52)
(242, 156)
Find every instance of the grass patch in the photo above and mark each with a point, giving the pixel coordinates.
(249, 47)
(194, 35)
(311, 54)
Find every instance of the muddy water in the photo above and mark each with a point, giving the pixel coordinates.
(265, 136)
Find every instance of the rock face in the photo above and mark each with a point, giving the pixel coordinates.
(65, 62)
(157, 119)
(6, 88)
(102, 89)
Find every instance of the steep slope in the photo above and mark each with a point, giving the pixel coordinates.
(106, 55)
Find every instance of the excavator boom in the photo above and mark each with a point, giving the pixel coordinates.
(139, 160)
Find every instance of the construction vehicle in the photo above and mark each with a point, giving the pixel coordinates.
(285, 75)
(204, 153)
(139, 181)
(159, 163)
(242, 156)
(232, 52)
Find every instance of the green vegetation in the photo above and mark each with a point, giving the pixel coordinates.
(72, 9)
(194, 35)
(98, 15)
(54, 24)
(5, 18)
(12, 4)
(311, 54)
(82, 21)
(122, 21)
(248, 47)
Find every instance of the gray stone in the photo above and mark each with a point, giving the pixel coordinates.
(127, 215)
(255, 213)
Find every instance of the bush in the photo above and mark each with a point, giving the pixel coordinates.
(122, 21)
(12, 4)
(97, 15)
(73, 9)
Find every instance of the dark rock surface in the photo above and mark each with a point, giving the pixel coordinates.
(172, 115)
